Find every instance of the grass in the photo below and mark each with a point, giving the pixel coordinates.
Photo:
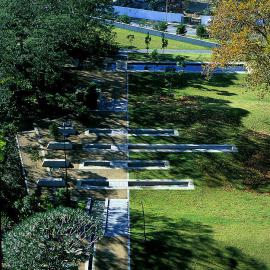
(121, 38)
(2, 147)
(224, 223)
(218, 111)
(197, 57)
(205, 39)
(201, 229)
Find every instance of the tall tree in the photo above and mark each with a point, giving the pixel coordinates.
(164, 42)
(147, 41)
(54, 240)
(131, 39)
(243, 29)
(37, 40)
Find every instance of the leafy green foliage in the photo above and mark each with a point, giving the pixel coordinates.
(33, 151)
(2, 147)
(147, 41)
(164, 42)
(154, 55)
(201, 31)
(38, 39)
(11, 181)
(130, 38)
(181, 29)
(57, 239)
(27, 206)
(161, 26)
(124, 19)
(53, 130)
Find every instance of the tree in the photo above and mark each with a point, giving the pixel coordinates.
(53, 130)
(27, 206)
(131, 39)
(55, 240)
(124, 19)
(11, 181)
(243, 30)
(164, 42)
(161, 26)
(147, 41)
(38, 39)
(154, 55)
(201, 31)
(181, 29)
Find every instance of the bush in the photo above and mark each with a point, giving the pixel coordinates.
(124, 19)
(56, 239)
(6, 222)
(27, 206)
(161, 26)
(143, 22)
(53, 130)
(201, 31)
(154, 56)
(61, 197)
(181, 29)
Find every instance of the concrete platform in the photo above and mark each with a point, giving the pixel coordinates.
(124, 184)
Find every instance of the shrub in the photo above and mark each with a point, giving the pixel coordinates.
(53, 130)
(143, 22)
(56, 239)
(154, 56)
(131, 39)
(181, 29)
(201, 31)
(124, 19)
(161, 26)
(27, 206)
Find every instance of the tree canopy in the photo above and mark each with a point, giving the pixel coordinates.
(57, 239)
(243, 29)
(38, 39)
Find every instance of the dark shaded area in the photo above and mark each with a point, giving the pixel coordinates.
(200, 119)
(106, 258)
(183, 245)
(159, 57)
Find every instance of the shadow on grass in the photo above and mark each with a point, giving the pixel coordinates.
(154, 103)
(112, 254)
(183, 245)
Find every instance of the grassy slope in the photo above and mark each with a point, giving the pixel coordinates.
(197, 57)
(219, 111)
(201, 229)
(138, 43)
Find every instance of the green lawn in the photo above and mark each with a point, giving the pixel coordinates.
(224, 221)
(197, 57)
(201, 229)
(206, 39)
(2, 146)
(121, 38)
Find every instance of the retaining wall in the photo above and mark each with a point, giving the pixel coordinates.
(149, 14)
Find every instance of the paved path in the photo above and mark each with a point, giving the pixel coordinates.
(117, 218)
(172, 28)
(168, 51)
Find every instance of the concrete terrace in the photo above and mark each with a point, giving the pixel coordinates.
(97, 155)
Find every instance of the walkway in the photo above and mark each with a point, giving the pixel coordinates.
(167, 51)
(112, 251)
